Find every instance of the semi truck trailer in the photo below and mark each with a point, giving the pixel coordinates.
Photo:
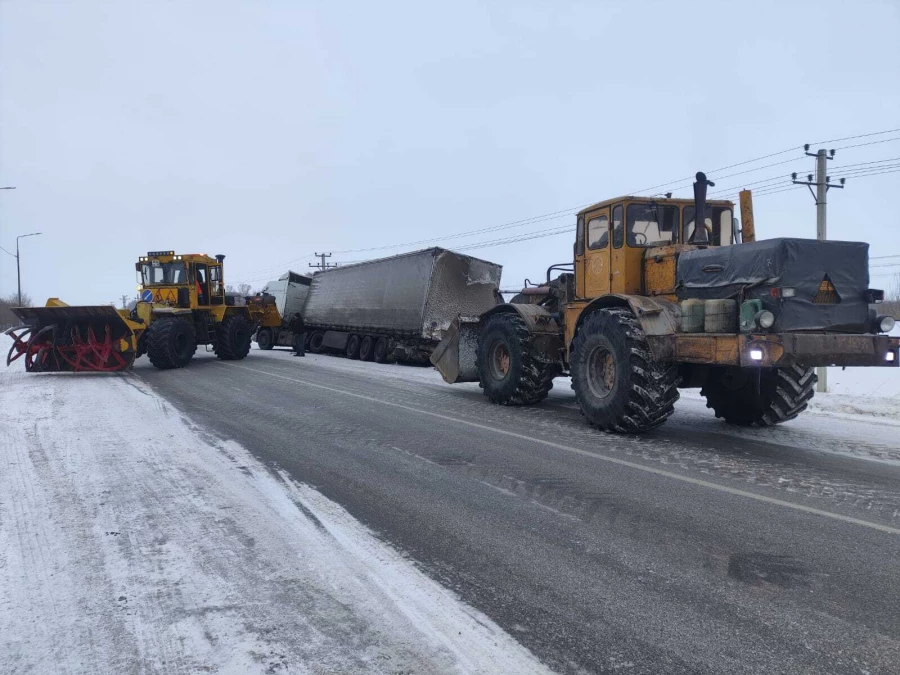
(390, 309)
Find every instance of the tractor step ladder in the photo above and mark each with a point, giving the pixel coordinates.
(210, 333)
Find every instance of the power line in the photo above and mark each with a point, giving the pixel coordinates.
(850, 138)
(859, 145)
(861, 173)
(503, 242)
(568, 211)
(877, 161)
(882, 257)
(724, 168)
(5, 251)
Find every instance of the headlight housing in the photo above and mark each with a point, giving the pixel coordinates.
(765, 319)
(885, 324)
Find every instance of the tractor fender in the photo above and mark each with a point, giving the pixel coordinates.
(547, 334)
(656, 315)
(537, 318)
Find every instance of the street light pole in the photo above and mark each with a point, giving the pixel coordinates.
(18, 268)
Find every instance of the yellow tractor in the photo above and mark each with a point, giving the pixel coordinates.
(182, 304)
(651, 303)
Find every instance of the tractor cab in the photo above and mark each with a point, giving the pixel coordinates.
(620, 243)
(186, 281)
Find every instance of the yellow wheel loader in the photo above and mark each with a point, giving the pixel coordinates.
(651, 303)
(182, 304)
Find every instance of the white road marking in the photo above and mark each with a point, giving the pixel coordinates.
(588, 453)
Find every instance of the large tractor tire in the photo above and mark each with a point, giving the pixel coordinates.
(171, 343)
(264, 338)
(510, 370)
(618, 384)
(233, 338)
(759, 396)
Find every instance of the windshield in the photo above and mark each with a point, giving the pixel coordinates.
(718, 225)
(156, 273)
(651, 224)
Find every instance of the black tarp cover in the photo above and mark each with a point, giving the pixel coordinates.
(751, 270)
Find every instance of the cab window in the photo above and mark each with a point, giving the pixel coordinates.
(579, 236)
(618, 227)
(651, 225)
(156, 273)
(718, 226)
(598, 232)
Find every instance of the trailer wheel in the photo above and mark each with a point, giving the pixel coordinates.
(759, 396)
(618, 384)
(509, 368)
(171, 343)
(353, 347)
(381, 350)
(367, 348)
(264, 338)
(233, 338)
(316, 342)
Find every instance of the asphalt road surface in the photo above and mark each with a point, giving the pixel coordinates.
(691, 549)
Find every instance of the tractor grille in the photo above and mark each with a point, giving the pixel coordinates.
(827, 294)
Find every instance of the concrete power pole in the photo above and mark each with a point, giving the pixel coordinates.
(822, 183)
(323, 265)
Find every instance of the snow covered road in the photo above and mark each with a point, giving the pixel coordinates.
(133, 541)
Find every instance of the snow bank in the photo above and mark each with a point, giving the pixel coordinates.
(131, 540)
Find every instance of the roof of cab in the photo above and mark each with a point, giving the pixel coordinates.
(662, 200)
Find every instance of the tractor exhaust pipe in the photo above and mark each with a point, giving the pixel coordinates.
(700, 235)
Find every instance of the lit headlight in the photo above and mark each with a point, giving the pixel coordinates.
(885, 323)
(756, 354)
(764, 319)
(889, 357)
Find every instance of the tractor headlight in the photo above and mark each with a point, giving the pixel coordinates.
(889, 357)
(756, 354)
(764, 319)
(885, 323)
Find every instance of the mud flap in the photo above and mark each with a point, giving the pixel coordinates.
(455, 355)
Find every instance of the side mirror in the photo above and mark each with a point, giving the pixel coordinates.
(735, 231)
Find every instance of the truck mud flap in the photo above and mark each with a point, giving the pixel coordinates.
(455, 355)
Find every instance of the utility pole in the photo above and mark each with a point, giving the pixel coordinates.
(18, 267)
(323, 265)
(124, 301)
(823, 184)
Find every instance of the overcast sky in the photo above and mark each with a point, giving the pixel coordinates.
(268, 131)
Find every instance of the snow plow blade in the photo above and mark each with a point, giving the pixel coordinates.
(60, 338)
(455, 357)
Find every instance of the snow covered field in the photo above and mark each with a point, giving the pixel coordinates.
(132, 541)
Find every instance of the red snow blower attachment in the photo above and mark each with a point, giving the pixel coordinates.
(60, 338)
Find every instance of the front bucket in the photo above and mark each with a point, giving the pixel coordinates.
(455, 355)
(71, 339)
